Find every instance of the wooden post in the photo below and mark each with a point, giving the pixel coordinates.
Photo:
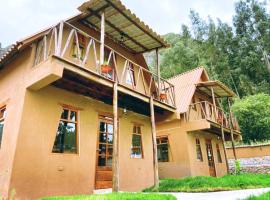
(115, 164)
(231, 130)
(224, 149)
(158, 72)
(214, 103)
(154, 140)
(102, 38)
(60, 36)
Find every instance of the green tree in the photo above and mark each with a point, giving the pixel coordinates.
(253, 115)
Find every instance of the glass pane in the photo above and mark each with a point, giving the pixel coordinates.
(110, 150)
(103, 137)
(134, 129)
(102, 149)
(73, 116)
(101, 161)
(110, 138)
(136, 153)
(163, 155)
(102, 127)
(136, 140)
(1, 131)
(109, 161)
(64, 114)
(139, 130)
(66, 137)
(110, 128)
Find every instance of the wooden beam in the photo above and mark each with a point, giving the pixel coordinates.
(102, 38)
(158, 71)
(118, 30)
(224, 148)
(231, 130)
(133, 22)
(115, 164)
(214, 103)
(154, 137)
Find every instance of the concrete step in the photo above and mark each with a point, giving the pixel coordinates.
(103, 191)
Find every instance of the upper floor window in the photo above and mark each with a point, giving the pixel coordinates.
(198, 150)
(136, 147)
(163, 149)
(130, 77)
(218, 154)
(66, 135)
(81, 44)
(2, 119)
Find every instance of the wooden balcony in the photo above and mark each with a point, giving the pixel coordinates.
(63, 42)
(205, 110)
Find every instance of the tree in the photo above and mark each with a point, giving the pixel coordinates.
(253, 115)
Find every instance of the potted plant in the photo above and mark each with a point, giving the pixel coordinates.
(106, 68)
(163, 96)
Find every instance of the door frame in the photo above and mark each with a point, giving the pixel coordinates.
(209, 142)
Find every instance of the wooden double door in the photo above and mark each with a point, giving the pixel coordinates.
(210, 158)
(104, 155)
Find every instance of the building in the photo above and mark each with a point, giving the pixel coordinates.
(77, 106)
(192, 144)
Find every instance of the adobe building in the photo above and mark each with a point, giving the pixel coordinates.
(77, 106)
(192, 144)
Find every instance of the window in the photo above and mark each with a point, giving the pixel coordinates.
(218, 154)
(130, 78)
(136, 148)
(66, 135)
(163, 149)
(2, 119)
(81, 40)
(199, 150)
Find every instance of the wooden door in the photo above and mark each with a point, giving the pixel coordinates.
(104, 154)
(210, 158)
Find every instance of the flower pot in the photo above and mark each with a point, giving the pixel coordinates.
(163, 96)
(105, 69)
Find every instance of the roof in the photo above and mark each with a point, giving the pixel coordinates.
(185, 87)
(122, 25)
(219, 89)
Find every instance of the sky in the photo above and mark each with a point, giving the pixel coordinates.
(20, 18)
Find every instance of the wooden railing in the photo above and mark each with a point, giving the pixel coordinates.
(206, 110)
(64, 38)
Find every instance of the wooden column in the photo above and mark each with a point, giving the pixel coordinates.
(158, 71)
(231, 130)
(214, 103)
(60, 36)
(224, 149)
(154, 140)
(115, 164)
(102, 38)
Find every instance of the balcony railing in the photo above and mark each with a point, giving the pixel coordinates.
(65, 38)
(206, 110)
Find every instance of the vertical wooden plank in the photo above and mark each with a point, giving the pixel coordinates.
(115, 164)
(154, 136)
(158, 71)
(60, 36)
(224, 148)
(44, 47)
(231, 130)
(214, 103)
(102, 38)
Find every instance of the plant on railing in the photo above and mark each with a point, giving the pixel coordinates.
(163, 96)
(106, 68)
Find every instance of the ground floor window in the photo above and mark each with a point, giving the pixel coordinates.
(136, 147)
(2, 119)
(66, 135)
(163, 149)
(218, 154)
(199, 150)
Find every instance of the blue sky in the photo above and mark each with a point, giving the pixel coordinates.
(20, 18)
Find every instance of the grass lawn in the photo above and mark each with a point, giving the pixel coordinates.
(265, 196)
(211, 184)
(115, 196)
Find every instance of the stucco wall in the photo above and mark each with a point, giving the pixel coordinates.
(38, 172)
(250, 151)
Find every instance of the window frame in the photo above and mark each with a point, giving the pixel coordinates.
(137, 134)
(219, 157)
(76, 122)
(3, 108)
(159, 143)
(198, 145)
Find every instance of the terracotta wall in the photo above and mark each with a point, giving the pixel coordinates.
(38, 172)
(250, 151)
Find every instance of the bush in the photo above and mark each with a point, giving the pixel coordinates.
(253, 115)
(237, 166)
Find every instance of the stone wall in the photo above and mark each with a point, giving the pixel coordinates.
(252, 165)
